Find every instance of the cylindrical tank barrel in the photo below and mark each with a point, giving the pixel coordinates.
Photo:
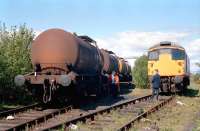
(60, 49)
(122, 66)
(110, 62)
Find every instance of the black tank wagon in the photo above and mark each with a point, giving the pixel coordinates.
(67, 65)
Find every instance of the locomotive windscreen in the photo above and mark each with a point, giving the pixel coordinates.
(153, 55)
(178, 54)
(175, 53)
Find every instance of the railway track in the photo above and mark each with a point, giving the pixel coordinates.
(102, 119)
(18, 110)
(51, 119)
(28, 119)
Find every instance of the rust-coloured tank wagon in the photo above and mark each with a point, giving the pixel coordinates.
(67, 65)
(60, 49)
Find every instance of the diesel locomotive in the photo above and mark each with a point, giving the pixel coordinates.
(172, 62)
(67, 65)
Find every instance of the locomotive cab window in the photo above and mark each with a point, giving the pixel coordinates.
(178, 54)
(153, 55)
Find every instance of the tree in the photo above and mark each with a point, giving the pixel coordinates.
(196, 77)
(140, 75)
(198, 64)
(14, 54)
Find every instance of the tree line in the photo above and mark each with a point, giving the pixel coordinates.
(196, 76)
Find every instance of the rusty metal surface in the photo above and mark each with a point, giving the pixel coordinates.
(110, 62)
(57, 48)
(106, 60)
(54, 46)
(39, 79)
(123, 67)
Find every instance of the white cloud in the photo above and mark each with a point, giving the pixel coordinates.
(133, 43)
(193, 49)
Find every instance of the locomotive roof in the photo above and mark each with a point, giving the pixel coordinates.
(166, 44)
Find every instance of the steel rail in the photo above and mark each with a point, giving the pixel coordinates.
(91, 115)
(17, 110)
(26, 125)
(128, 125)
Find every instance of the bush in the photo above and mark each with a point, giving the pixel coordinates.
(140, 75)
(14, 57)
(196, 78)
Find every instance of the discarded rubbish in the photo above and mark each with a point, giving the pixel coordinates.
(73, 127)
(10, 117)
(180, 103)
(145, 120)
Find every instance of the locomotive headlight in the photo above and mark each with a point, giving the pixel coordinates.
(19, 80)
(64, 80)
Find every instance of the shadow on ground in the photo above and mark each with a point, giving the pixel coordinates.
(192, 92)
(92, 103)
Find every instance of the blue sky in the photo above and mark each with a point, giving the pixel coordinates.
(135, 24)
(103, 17)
